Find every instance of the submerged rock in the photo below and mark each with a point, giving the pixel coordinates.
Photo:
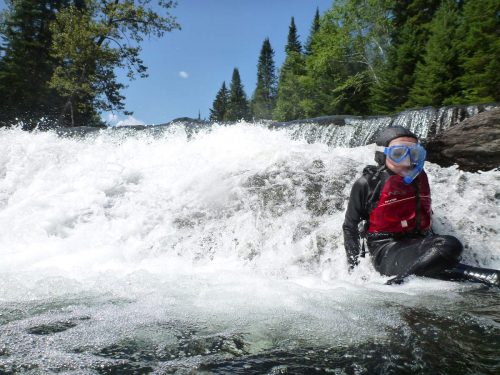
(473, 144)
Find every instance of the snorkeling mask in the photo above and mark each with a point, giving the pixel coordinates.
(410, 154)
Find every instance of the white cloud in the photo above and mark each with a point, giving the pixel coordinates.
(183, 74)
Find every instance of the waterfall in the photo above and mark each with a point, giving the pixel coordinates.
(219, 249)
(352, 131)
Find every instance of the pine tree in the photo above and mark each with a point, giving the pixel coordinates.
(293, 44)
(219, 106)
(26, 65)
(237, 107)
(479, 43)
(436, 78)
(264, 97)
(314, 29)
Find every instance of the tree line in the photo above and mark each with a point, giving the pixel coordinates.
(375, 57)
(58, 57)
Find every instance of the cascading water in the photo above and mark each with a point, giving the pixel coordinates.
(221, 251)
(351, 131)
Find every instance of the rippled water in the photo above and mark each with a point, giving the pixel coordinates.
(221, 252)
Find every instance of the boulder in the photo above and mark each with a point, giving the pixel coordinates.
(473, 144)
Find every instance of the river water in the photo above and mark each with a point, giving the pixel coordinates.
(220, 252)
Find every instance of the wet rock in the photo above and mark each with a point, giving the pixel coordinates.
(473, 144)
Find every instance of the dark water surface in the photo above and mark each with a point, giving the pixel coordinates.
(460, 336)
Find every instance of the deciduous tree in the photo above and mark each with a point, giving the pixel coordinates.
(89, 42)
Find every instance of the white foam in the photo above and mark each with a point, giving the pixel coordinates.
(234, 230)
(235, 195)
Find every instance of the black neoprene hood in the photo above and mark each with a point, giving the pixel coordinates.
(385, 136)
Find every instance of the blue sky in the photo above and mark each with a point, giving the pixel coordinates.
(187, 67)
(216, 36)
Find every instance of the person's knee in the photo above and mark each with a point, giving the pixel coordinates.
(450, 247)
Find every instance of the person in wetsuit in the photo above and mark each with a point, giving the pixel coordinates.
(393, 201)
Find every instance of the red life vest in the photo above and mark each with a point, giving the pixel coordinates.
(396, 210)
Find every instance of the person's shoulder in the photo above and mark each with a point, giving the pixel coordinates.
(370, 171)
(370, 177)
(368, 174)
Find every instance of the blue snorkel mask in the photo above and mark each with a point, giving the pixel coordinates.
(412, 155)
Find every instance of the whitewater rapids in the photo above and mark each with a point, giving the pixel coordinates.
(232, 233)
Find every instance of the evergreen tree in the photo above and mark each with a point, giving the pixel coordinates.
(264, 97)
(290, 89)
(314, 29)
(237, 108)
(219, 106)
(436, 78)
(479, 44)
(26, 65)
(293, 44)
(409, 35)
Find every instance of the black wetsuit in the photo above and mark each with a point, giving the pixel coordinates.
(401, 254)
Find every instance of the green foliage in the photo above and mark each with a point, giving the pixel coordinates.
(314, 29)
(409, 34)
(26, 64)
(479, 43)
(436, 77)
(381, 56)
(293, 44)
(290, 89)
(290, 84)
(93, 40)
(219, 106)
(237, 107)
(346, 57)
(264, 97)
(58, 57)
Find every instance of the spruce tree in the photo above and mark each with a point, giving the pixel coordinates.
(290, 87)
(219, 106)
(264, 97)
(293, 44)
(436, 78)
(314, 29)
(479, 44)
(237, 107)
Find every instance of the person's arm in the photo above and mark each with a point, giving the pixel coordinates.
(354, 214)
